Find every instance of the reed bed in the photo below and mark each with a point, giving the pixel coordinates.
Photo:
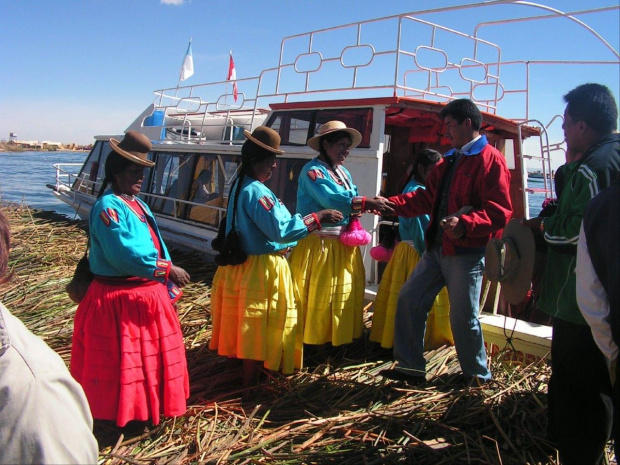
(336, 411)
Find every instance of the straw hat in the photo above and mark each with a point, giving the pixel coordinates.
(134, 146)
(333, 126)
(266, 138)
(510, 261)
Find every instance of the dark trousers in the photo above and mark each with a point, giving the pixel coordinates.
(580, 395)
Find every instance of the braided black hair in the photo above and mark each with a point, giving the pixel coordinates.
(229, 245)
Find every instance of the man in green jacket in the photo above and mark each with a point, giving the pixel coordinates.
(579, 400)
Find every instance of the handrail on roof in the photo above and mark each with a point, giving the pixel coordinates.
(306, 59)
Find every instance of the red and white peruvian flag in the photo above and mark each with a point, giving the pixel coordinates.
(232, 75)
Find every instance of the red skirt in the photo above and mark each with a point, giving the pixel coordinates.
(128, 352)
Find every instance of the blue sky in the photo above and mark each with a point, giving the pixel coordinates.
(73, 69)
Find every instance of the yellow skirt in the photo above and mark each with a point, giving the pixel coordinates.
(330, 278)
(399, 268)
(255, 313)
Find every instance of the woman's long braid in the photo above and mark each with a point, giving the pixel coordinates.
(239, 182)
(232, 252)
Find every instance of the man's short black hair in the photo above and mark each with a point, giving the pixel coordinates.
(461, 109)
(594, 104)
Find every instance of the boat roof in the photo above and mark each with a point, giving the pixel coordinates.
(410, 108)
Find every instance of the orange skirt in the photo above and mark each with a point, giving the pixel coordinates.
(128, 352)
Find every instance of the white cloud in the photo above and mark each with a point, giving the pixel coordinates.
(172, 2)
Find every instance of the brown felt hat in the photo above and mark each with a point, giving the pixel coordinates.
(510, 261)
(134, 146)
(333, 126)
(266, 138)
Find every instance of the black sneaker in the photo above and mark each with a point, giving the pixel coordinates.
(398, 375)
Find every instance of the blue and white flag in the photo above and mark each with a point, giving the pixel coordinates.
(187, 69)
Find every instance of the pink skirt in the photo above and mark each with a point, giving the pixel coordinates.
(128, 352)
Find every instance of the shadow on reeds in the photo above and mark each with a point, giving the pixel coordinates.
(59, 219)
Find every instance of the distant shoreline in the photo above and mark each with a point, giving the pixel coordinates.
(16, 148)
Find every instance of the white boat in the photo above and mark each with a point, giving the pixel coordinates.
(391, 93)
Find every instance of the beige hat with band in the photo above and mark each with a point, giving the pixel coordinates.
(333, 126)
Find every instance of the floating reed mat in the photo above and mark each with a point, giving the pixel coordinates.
(337, 410)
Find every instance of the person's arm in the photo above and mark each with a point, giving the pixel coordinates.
(274, 220)
(593, 301)
(496, 207)
(130, 251)
(562, 229)
(418, 202)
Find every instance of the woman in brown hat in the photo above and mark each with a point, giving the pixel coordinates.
(128, 352)
(254, 305)
(329, 272)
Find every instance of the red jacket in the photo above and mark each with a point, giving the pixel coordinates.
(481, 180)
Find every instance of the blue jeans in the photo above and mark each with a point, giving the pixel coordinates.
(462, 275)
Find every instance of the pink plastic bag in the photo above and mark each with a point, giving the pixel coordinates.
(381, 253)
(354, 234)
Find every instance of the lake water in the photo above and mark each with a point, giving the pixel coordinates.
(24, 175)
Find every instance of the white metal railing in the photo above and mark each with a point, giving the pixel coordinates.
(351, 61)
(67, 179)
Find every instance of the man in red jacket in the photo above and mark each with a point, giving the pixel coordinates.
(468, 199)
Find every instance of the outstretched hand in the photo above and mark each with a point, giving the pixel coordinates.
(379, 206)
(329, 216)
(178, 276)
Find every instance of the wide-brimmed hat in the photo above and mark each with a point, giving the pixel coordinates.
(266, 138)
(134, 146)
(510, 261)
(333, 126)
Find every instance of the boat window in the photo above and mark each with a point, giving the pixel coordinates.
(296, 127)
(171, 177)
(88, 174)
(91, 177)
(210, 187)
(292, 127)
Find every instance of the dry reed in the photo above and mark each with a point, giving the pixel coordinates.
(340, 411)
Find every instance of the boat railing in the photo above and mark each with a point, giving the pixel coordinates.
(65, 177)
(179, 205)
(70, 183)
(408, 55)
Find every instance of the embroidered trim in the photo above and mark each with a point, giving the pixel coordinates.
(336, 178)
(266, 202)
(314, 174)
(358, 204)
(140, 214)
(312, 222)
(105, 218)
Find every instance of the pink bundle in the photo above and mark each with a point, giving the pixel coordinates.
(354, 234)
(381, 253)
